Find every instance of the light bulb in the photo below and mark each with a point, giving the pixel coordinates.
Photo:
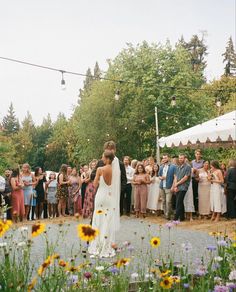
(218, 103)
(117, 95)
(173, 101)
(63, 82)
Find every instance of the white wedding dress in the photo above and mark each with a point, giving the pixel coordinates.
(106, 214)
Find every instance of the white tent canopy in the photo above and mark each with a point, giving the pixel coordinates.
(222, 128)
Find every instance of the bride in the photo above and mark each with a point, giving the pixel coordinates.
(106, 208)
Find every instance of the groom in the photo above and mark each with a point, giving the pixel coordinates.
(122, 180)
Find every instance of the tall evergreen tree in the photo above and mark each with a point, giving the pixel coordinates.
(197, 49)
(10, 123)
(87, 83)
(97, 71)
(230, 59)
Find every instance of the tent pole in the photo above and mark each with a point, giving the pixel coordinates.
(157, 137)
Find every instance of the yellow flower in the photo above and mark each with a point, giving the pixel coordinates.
(40, 270)
(99, 212)
(122, 262)
(166, 283)
(32, 284)
(165, 273)
(72, 269)
(37, 229)
(155, 242)
(86, 232)
(55, 256)
(234, 244)
(155, 271)
(4, 226)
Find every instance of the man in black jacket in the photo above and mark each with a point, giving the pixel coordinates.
(110, 145)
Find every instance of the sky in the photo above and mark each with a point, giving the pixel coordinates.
(73, 34)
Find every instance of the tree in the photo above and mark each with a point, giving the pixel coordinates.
(197, 49)
(10, 123)
(97, 71)
(87, 84)
(230, 59)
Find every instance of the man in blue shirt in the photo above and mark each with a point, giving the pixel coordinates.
(166, 175)
(180, 185)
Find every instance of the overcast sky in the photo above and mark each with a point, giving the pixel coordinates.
(74, 34)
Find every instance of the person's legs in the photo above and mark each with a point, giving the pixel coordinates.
(168, 195)
(163, 198)
(32, 212)
(143, 199)
(27, 208)
(137, 200)
(128, 198)
(179, 215)
(195, 194)
(231, 210)
(122, 194)
(59, 207)
(8, 203)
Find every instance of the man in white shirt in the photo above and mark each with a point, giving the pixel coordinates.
(125, 199)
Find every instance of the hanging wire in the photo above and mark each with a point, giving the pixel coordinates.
(115, 80)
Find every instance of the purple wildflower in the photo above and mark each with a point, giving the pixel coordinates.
(221, 288)
(114, 270)
(87, 275)
(201, 271)
(186, 247)
(211, 247)
(176, 222)
(130, 248)
(222, 243)
(186, 285)
(169, 225)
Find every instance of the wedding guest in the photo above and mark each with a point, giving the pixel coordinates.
(154, 202)
(125, 199)
(90, 192)
(166, 176)
(62, 190)
(18, 208)
(40, 179)
(140, 181)
(28, 181)
(69, 170)
(84, 181)
(133, 165)
(231, 189)
(188, 199)
(197, 163)
(204, 186)
(223, 169)
(7, 192)
(180, 186)
(216, 178)
(51, 191)
(74, 196)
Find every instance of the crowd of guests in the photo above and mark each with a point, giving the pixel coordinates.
(175, 189)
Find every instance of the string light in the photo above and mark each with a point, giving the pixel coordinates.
(173, 100)
(117, 80)
(218, 102)
(117, 95)
(63, 82)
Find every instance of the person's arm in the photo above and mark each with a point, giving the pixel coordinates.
(79, 185)
(147, 179)
(14, 186)
(61, 181)
(130, 175)
(97, 177)
(134, 182)
(185, 178)
(220, 179)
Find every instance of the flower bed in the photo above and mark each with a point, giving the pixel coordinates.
(215, 271)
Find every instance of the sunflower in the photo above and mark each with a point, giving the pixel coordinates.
(166, 283)
(165, 273)
(99, 212)
(86, 232)
(55, 256)
(72, 269)
(155, 242)
(234, 244)
(4, 226)
(32, 284)
(41, 270)
(122, 262)
(37, 229)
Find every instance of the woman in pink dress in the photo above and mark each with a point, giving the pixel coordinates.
(18, 208)
(74, 199)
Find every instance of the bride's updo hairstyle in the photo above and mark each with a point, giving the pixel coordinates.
(108, 154)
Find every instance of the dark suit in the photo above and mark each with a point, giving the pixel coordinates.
(122, 178)
(231, 192)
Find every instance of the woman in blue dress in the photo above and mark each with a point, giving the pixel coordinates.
(28, 181)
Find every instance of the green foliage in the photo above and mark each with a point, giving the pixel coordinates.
(6, 153)
(230, 59)
(10, 122)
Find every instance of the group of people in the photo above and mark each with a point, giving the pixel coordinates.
(176, 189)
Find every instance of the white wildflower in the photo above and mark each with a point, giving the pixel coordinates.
(232, 275)
(99, 268)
